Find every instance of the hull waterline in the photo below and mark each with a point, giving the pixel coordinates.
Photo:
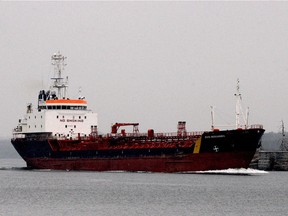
(208, 161)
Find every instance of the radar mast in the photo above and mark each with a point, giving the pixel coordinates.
(58, 60)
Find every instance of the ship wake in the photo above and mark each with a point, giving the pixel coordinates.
(241, 171)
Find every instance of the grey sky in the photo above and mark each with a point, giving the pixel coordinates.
(149, 62)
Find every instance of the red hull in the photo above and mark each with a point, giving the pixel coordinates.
(193, 162)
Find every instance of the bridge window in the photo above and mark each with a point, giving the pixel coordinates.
(64, 107)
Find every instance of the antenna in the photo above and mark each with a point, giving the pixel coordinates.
(80, 93)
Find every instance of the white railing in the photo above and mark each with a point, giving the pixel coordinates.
(156, 135)
(256, 126)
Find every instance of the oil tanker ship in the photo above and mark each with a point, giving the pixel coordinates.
(62, 134)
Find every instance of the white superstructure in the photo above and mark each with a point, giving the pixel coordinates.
(56, 114)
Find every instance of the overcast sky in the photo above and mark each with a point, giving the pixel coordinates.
(149, 62)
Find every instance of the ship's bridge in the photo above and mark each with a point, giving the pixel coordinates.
(64, 104)
(56, 113)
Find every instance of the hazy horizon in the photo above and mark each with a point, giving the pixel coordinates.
(155, 63)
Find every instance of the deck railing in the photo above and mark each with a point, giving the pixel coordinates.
(256, 126)
(117, 135)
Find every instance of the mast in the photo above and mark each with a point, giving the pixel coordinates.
(58, 60)
(238, 104)
(239, 111)
(212, 117)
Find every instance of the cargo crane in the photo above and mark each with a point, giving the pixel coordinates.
(116, 126)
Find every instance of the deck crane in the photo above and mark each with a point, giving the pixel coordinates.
(116, 126)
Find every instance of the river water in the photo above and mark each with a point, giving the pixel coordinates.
(231, 192)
